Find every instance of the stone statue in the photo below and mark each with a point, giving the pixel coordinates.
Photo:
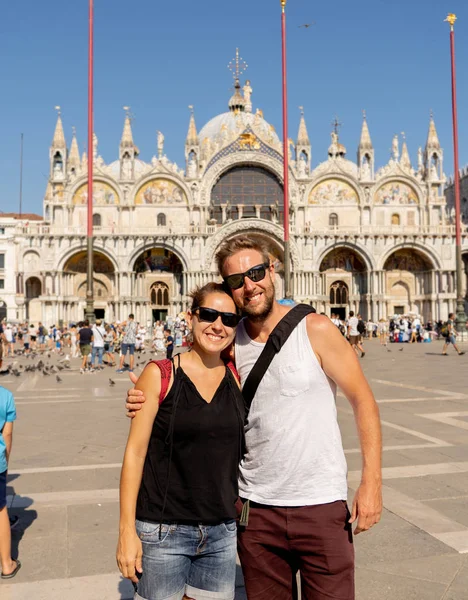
(395, 148)
(274, 211)
(420, 159)
(301, 167)
(191, 167)
(248, 96)
(95, 147)
(126, 168)
(365, 171)
(160, 144)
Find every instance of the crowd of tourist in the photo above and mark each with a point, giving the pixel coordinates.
(409, 329)
(97, 344)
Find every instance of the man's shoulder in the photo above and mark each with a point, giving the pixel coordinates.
(319, 324)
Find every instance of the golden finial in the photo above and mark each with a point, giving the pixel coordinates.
(336, 125)
(237, 66)
(451, 18)
(283, 4)
(59, 110)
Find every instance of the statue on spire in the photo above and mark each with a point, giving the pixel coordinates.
(160, 144)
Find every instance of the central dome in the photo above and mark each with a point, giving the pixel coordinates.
(230, 123)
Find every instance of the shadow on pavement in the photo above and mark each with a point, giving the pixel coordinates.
(19, 507)
(125, 589)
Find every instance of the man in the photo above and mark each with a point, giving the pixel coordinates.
(128, 344)
(85, 337)
(353, 333)
(294, 470)
(98, 344)
(450, 335)
(41, 333)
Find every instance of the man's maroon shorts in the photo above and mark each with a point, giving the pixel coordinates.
(315, 540)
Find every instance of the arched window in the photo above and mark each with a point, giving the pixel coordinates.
(333, 220)
(159, 294)
(249, 186)
(339, 293)
(395, 219)
(96, 220)
(161, 220)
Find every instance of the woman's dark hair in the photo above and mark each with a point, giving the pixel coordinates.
(199, 294)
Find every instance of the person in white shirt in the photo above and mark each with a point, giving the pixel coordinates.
(354, 334)
(98, 344)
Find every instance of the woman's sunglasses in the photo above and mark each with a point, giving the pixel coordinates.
(210, 315)
(236, 281)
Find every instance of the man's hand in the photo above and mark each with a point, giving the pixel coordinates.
(367, 506)
(135, 398)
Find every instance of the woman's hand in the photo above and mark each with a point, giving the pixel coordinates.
(129, 554)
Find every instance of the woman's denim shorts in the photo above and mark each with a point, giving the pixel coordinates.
(194, 560)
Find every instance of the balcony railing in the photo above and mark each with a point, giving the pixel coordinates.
(42, 229)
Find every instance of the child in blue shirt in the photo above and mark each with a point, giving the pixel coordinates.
(7, 415)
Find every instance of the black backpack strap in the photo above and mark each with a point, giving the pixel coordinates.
(275, 342)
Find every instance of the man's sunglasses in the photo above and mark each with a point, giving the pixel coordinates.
(210, 315)
(236, 281)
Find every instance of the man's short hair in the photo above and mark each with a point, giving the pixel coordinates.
(351, 313)
(86, 322)
(451, 315)
(131, 316)
(234, 245)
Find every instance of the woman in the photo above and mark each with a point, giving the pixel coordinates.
(109, 339)
(73, 339)
(179, 476)
(382, 331)
(159, 337)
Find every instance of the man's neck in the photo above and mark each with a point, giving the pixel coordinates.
(260, 330)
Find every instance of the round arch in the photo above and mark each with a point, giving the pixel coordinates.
(159, 260)
(257, 159)
(140, 250)
(77, 249)
(33, 288)
(247, 185)
(82, 181)
(335, 177)
(361, 253)
(428, 253)
(412, 184)
(154, 176)
(271, 231)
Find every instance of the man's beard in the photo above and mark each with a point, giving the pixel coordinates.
(257, 314)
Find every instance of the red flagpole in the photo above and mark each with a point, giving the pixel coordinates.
(287, 259)
(460, 316)
(90, 255)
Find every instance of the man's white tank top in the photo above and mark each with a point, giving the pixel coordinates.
(294, 451)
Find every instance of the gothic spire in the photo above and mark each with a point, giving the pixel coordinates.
(405, 160)
(59, 135)
(302, 136)
(127, 135)
(365, 142)
(432, 137)
(192, 136)
(74, 156)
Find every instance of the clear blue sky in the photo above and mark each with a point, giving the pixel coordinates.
(388, 57)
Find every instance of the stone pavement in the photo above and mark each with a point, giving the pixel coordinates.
(69, 441)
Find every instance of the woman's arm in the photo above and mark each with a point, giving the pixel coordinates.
(129, 549)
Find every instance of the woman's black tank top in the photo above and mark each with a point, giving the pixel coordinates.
(191, 467)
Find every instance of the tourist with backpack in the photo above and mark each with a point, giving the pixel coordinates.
(449, 332)
(179, 482)
(292, 509)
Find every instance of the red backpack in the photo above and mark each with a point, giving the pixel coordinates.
(165, 366)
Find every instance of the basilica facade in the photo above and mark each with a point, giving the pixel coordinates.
(379, 241)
